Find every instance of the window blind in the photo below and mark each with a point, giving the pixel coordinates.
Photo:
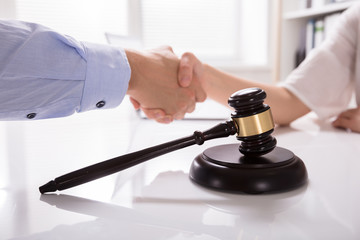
(86, 20)
(215, 30)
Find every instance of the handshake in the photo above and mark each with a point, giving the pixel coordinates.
(163, 86)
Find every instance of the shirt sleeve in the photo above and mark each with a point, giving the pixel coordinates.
(44, 74)
(325, 80)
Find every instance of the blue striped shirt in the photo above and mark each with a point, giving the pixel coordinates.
(44, 74)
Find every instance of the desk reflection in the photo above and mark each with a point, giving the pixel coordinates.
(168, 213)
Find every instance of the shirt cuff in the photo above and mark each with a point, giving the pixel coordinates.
(107, 77)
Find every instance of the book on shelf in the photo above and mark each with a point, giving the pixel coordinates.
(318, 32)
(310, 26)
(301, 50)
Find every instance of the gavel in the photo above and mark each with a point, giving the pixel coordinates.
(254, 166)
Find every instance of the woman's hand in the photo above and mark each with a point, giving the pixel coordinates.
(349, 119)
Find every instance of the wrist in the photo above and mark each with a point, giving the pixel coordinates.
(208, 78)
(134, 59)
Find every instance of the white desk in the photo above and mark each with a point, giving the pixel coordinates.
(156, 200)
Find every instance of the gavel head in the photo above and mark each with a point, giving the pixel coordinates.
(254, 122)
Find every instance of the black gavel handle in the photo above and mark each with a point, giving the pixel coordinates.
(114, 165)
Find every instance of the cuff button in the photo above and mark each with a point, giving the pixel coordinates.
(100, 104)
(31, 115)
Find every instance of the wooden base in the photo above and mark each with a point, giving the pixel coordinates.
(224, 168)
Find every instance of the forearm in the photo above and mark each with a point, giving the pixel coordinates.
(284, 105)
(50, 75)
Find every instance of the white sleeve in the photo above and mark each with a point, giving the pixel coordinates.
(325, 80)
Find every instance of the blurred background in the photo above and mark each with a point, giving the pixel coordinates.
(231, 34)
(262, 40)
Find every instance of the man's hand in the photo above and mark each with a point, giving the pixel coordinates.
(155, 89)
(349, 119)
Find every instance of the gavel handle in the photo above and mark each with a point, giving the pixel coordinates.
(114, 165)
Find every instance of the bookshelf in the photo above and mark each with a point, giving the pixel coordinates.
(292, 23)
(316, 12)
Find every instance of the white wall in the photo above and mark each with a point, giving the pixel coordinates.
(7, 9)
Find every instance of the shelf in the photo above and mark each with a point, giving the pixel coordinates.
(314, 12)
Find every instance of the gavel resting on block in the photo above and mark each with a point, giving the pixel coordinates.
(254, 166)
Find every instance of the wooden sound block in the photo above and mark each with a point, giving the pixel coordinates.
(224, 168)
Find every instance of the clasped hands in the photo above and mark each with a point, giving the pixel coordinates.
(166, 87)
(161, 84)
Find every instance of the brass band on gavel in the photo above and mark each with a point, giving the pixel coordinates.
(255, 124)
